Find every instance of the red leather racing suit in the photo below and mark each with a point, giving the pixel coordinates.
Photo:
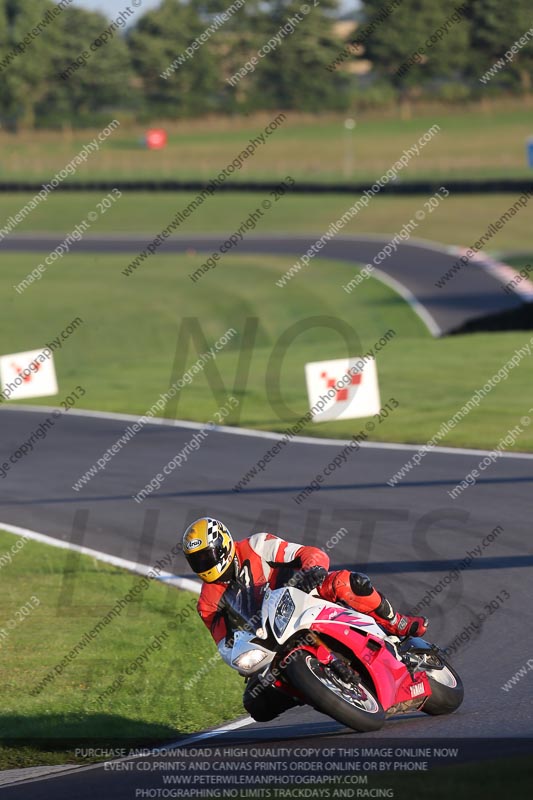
(266, 559)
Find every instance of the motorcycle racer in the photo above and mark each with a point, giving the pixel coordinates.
(264, 559)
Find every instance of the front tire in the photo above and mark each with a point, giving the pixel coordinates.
(447, 691)
(354, 706)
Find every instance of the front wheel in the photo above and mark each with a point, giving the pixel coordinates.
(352, 705)
(447, 690)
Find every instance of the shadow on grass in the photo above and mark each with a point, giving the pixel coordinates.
(70, 738)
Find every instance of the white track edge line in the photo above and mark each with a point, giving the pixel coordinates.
(249, 432)
(409, 297)
(132, 566)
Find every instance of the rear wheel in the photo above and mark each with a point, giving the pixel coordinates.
(447, 690)
(351, 704)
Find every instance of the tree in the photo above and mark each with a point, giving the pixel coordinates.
(3, 50)
(232, 46)
(25, 77)
(495, 27)
(158, 40)
(86, 80)
(293, 75)
(32, 88)
(421, 41)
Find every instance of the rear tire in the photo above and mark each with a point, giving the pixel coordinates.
(354, 706)
(447, 691)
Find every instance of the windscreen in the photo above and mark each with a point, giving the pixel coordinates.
(242, 607)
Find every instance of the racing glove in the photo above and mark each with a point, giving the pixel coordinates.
(309, 579)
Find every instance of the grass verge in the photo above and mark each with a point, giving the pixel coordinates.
(481, 141)
(459, 220)
(150, 705)
(129, 349)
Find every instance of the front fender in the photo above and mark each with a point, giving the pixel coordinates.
(390, 676)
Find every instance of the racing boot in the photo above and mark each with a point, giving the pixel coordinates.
(398, 624)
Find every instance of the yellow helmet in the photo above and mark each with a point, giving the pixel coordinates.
(209, 548)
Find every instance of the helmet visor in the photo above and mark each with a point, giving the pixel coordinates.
(209, 557)
(204, 560)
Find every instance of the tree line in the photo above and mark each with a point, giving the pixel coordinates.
(60, 64)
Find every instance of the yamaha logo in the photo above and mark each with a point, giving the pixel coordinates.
(193, 543)
(417, 689)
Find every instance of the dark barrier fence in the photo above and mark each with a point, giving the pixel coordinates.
(485, 186)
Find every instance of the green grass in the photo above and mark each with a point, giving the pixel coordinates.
(151, 705)
(458, 220)
(482, 141)
(520, 261)
(123, 354)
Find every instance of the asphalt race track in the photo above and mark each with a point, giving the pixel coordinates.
(413, 269)
(408, 538)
